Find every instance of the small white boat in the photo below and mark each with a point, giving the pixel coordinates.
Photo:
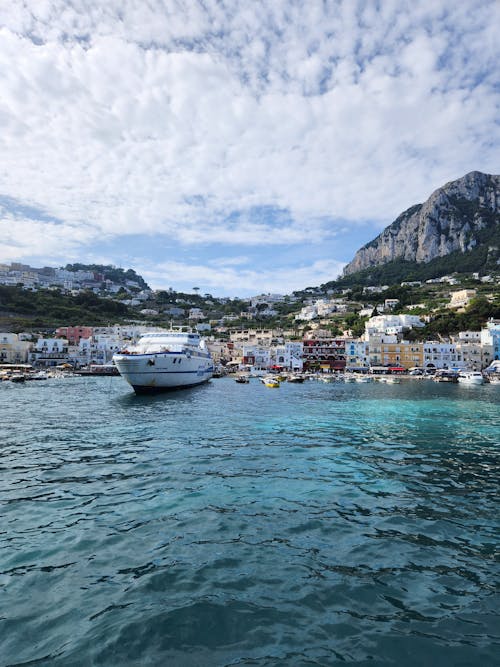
(470, 377)
(364, 379)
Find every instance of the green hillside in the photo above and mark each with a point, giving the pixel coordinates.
(20, 309)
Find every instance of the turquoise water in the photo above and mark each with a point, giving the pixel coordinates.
(240, 525)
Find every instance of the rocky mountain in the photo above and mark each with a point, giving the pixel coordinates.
(459, 216)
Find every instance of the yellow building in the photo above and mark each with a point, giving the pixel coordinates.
(13, 350)
(405, 354)
(461, 298)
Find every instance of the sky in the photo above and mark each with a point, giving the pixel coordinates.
(239, 147)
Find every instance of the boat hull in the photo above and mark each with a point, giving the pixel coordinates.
(152, 373)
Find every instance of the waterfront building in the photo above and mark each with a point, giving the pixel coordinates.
(221, 351)
(50, 352)
(356, 353)
(490, 336)
(403, 354)
(470, 354)
(13, 350)
(327, 354)
(257, 356)
(438, 354)
(375, 342)
(289, 356)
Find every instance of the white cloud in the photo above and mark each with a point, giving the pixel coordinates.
(126, 117)
(238, 281)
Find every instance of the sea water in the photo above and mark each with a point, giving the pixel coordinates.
(240, 525)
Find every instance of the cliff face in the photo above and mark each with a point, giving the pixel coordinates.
(449, 220)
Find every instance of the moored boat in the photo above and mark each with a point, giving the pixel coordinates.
(295, 378)
(470, 377)
(165, 360)
(98, 370)
(445, 376)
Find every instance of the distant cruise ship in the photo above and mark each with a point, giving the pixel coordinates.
(166, 360)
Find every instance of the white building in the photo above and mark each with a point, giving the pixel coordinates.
(257, 356)
(389, 324)
(307, 313)
(196, 314)
(264, 337)
(441, 355)
(490, 337)
(288, 355)
(356, 353)
(50, 352)
(470, 354)
(99, 349)
(266, 298)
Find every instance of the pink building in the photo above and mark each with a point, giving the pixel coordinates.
(74, 334)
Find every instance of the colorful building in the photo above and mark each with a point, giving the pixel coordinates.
(326, 354)
(74, 334)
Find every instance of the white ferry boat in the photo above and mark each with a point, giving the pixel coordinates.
(165, 360)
